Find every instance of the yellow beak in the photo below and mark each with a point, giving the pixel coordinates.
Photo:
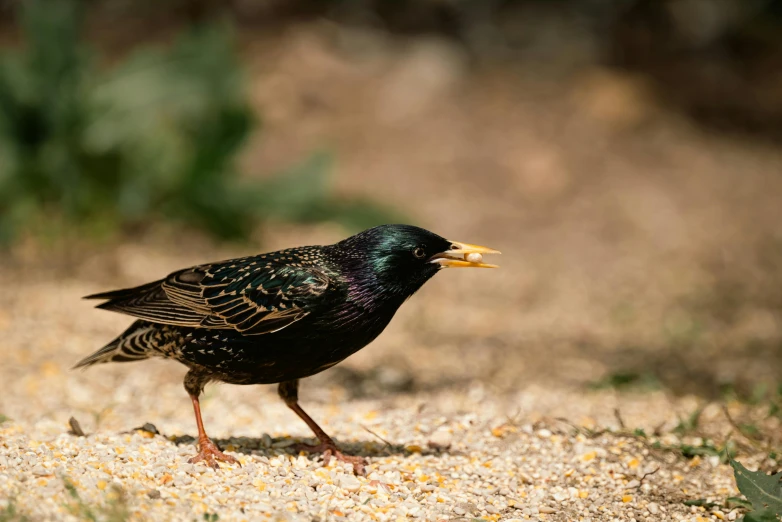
(464, 255)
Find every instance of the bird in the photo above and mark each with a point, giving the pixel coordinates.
(279, 317)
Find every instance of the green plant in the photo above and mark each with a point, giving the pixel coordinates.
(153, 137)
(9, 513)
(115, 509)
(763, 491)
(623, 380)
(691, 423)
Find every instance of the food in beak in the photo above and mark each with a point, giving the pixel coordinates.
(464, 255)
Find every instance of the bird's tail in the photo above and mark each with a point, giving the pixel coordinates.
(134, 344)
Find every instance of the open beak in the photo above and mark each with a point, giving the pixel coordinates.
(463, 255)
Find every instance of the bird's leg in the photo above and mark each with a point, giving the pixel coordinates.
(289, 391)
(207, 450)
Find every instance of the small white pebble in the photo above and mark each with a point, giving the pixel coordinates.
(441, 438)
(350, 483)
(473, 258)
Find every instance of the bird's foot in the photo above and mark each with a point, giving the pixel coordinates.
(329, 450)
(210, 454)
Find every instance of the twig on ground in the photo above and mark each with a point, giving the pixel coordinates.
(754, 443)
(649, 474)
(619, 419)
(75, 427)
(585, 431)
(387, 443)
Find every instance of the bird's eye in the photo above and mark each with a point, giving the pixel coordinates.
(419, 252)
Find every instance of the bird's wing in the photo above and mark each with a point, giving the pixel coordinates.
(246, 295)
(150, 302)
(252, 298)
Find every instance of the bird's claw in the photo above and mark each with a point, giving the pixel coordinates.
(329, 450)
(210, 454)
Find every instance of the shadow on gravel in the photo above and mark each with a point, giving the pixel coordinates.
(702, 369)
(706, 373)
(272, 446)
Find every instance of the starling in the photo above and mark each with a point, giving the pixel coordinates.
(279, 317)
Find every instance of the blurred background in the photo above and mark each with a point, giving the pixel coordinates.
(623, 154)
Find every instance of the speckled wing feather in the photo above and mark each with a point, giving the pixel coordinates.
(259, 298)
(253, 295)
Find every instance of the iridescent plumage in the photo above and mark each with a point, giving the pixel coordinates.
(275, 317)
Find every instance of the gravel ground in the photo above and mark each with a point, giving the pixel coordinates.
(631, 242)
(444, 467)
(531, 452)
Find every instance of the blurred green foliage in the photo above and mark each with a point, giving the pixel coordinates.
(154, 137)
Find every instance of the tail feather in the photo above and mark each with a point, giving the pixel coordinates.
(125, 293)
(151, 302)
(133, 344)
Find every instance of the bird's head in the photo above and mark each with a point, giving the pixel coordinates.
(401, 258)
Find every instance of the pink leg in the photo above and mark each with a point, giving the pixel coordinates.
(207, 450)
(289, 392)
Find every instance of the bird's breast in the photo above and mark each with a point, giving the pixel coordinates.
(308, 346)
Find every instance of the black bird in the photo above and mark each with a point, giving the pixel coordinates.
(281, 316)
